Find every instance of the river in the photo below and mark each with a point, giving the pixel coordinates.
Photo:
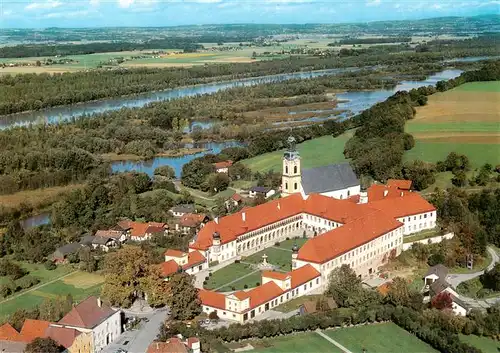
(58, 114)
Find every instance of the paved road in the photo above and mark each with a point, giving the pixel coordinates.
(137, 341)
(455, 279)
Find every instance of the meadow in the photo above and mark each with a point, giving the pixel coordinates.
(375, 338)
(79, 284)
(465, 120)
(317, 152)
(485, 344)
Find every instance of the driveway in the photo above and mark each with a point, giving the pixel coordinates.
(455, 279)
(137, 341)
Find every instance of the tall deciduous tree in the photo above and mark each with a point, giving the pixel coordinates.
(43, 345)
(183, 300)
(345, 286)
(156, 288)
(124, 272)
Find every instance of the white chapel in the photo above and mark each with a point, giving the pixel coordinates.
(335, 180)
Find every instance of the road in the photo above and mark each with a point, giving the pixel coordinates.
(455, 279)
(137, 341)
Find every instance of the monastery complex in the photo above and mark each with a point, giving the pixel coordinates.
(344, 226)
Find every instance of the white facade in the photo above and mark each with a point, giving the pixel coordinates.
(458, 309)
(343, 193)
(418, 222)
(254, 194)
(104, 333)
(365, 259)
(240, 311)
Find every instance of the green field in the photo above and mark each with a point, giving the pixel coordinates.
(379, 338)
(275, 256)
(465, 120)
(309, 342)
(478, 153)
(80, 285)
(485, 344)
(490, 86)
(317, 152)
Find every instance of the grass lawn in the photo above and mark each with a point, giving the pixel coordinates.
(429, 233)
(485, 344)
(288, 244)
(279, 257)
(317, 152)
(309, 342)
(379, 338)
(295, 303)
(490, 86)
(479, 264)
(227, 274)
(249, 281)
(37, 197)
(39, 271)
(80, 285)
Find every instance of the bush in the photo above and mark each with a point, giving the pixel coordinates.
(233, 288)
(257, 284)
(11, 269)
(49, 265)
(277, 243)
(236, 261)
(5, 290)
(27, 282)
(204, 283)
(245, 286)
(207, 278)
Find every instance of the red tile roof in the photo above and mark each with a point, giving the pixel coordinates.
(213, 299)
(87, 314)
(303, 275)
(340, 240)
(191, 341)
(62, 335)
(223, 164)
(173, 345)
(140, 229)
(231, 226)
(194, 258)
(9, 333)
(407, 205)
(174, 253)
(241, 295)
(263, 294)
(34, 328)
(108, 233)
(378, 192)
(236, 197)
(192, 220)
(280, 276)
(169, 268)
(399, 183)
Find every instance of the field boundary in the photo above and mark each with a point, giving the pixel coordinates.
(34, 288)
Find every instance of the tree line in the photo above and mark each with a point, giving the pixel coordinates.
(381, 40)
(38, 91)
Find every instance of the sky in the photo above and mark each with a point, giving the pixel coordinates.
(142, 13)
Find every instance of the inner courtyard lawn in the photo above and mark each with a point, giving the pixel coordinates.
(249, 281)
(379, 338)
(277, 256)
(228, 274)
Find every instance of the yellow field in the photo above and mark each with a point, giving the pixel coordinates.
(35, 197)
(83, 280)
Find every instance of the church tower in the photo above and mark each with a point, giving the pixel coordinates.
(291, 179)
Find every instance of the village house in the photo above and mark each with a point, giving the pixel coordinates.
(72, 340)
(181, 210)
(262, 191)
(191, 222)
(141, 231)
(223, 167)
(175, 345)
(233, 202)
(62, 253)
(190, 262)
(93, 317)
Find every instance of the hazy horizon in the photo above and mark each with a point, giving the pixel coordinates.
(171, 13)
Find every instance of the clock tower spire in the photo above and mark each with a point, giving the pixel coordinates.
(291, 179)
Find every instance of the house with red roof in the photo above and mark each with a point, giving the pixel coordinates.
(233, 202)
(191, 222)
(175, 345)
(95, 318)
(72, 340)
(223, 167)
(276, 288)
(140, 231)
(190, 262)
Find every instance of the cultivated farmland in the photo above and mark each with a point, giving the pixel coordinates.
(465, 120)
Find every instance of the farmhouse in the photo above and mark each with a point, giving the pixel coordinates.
(139, 231)
(261, 191)
(181, 210)
(191, 222)
(223, 167)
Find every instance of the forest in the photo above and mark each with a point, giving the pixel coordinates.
(35, 92)
(372, 40)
